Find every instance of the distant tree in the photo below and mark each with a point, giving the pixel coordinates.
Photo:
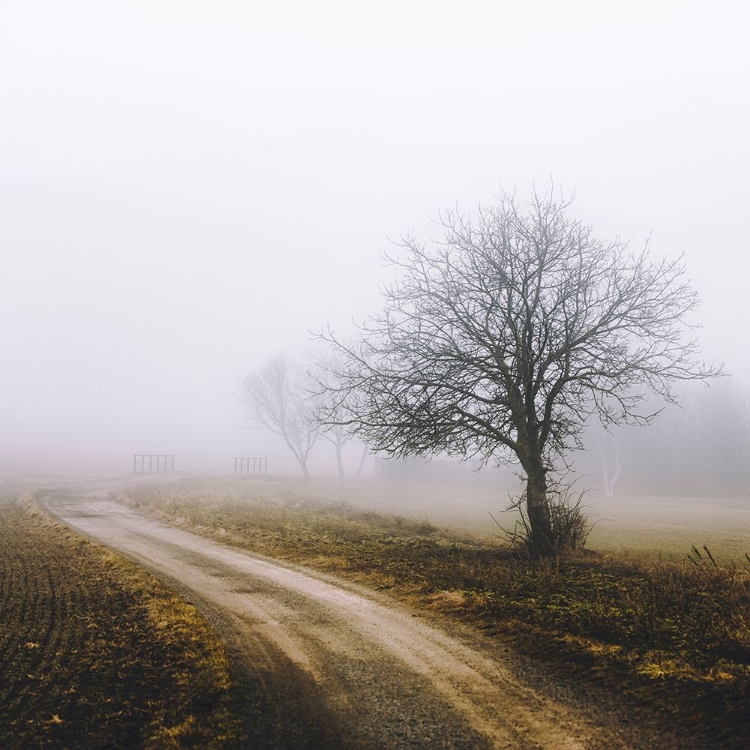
(714, 439)
(362, 458)
(276, 397)
(610, 475)
(499, 342)
(338, 436)
(328, 411)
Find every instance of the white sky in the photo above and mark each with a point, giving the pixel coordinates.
(187, 188)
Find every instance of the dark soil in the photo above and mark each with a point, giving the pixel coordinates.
(96, 654)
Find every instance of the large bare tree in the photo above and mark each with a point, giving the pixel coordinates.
(277, 399)
(500, 341)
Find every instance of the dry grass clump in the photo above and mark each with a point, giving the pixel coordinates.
(700, 614)
(273, 518)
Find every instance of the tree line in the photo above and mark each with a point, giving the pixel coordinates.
(700, 447)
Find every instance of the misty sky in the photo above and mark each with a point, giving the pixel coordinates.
(189, 187)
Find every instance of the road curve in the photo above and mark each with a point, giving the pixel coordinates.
(367, 673)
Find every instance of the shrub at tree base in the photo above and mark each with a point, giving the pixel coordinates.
(569, 524)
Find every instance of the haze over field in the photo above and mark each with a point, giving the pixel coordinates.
(188, 188)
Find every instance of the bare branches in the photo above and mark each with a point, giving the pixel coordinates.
(518, 326)
(277, 400)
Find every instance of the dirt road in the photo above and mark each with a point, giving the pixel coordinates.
(343, 666)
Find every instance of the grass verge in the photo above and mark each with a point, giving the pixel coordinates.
(672, 635)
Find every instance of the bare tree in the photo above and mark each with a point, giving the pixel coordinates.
(338, 436)
(499, 342)
(322, 394)
(362, 458)
(277, 399)
(608, 481)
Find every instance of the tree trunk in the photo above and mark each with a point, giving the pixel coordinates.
(302, 461)
(339, 462)
(365, 452)
(609, 484)
(541, 540)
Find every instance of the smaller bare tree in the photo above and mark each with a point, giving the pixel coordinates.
(322, 375)
(362, 458)
(338, 436)
(277, 399)
(608, 481)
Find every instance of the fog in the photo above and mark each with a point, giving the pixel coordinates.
(188, 188)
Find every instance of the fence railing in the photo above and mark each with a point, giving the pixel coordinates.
(251, 465)
(153, 462)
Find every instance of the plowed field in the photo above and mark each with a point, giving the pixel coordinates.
(95, 653)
